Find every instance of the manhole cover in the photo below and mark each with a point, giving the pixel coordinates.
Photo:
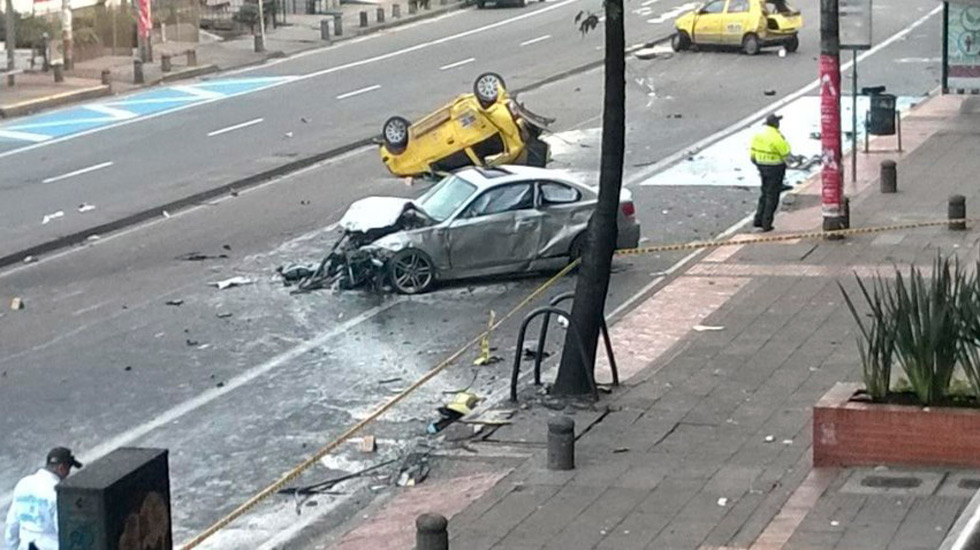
(888, 482)
(969, 483)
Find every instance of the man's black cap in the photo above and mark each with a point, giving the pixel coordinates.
(61, 455)
(773, 119)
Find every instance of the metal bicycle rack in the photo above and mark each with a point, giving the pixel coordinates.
(547, 311)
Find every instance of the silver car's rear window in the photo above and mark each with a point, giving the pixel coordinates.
(446, 197)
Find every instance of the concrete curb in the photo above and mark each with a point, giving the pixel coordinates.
(56, 100)
(79, 237)
(190, 72)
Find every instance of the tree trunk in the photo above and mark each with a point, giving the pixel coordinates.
(588, 309)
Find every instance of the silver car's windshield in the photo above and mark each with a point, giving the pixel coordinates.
(446, 197)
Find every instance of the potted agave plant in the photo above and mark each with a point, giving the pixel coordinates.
(928, 327)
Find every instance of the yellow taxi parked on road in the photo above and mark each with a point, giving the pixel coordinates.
(484, 128)
(748, 24)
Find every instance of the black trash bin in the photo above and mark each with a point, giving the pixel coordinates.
(881, 116)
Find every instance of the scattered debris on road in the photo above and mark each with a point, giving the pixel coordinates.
(390, 380)
(16, 304)
(200, 257)
(368, 444)
(769, 92)
(707, 328)
(232, 282)
(48, 218)
(29, 259)
(177, 302)
(461, 405)
(722, 501)
(414, 470)
(770, 439)
(85, 207)
(223, 315)
(325, 486)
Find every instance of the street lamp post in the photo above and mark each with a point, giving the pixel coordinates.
(830, 126)
(260, 39)
(66, 52)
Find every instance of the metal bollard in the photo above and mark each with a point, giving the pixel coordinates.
(338, 24)
(413, 7)
(106, 77)
(431, 532)
(396, 11)
(561, 443)
(380, 15)
(59, 72)
(364, 20)
(138, 71)
(192, 58)
(889, 177)
(325, 30)
(165, 63)
(957, 211)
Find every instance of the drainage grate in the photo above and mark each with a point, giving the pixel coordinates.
(891, 482)
(969, 483)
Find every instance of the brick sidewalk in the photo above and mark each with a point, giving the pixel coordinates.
(707, 446)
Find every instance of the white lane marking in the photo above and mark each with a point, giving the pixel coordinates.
(670, 14)
(359, 92)
(758, 115)
(285, 81)
(113, 112)
(152, 100)
(648, 2)
(252, 122)
(198, 92)
(78, 172)
(457, 64)
(535, 40)
(24, 136)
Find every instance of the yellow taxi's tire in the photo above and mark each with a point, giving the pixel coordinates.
(537, 153)
(487, 88)
(395, 133)
(680, 41)
(750, 44)
(793, 44)
(411, 271)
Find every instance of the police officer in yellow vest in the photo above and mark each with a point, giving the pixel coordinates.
(769, 152)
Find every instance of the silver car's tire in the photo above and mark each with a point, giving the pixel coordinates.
(395, 133)
(487, 88)
(410, 271)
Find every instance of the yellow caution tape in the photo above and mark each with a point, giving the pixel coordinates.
(484, 336)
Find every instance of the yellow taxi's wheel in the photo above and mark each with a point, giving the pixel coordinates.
(793, 44)
(680, 41)
(487, 88)
(395, 133)
(750, 44)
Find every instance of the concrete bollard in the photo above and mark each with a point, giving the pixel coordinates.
(165, 63)
(380, 15)
(191, 58)
(413, 7)
(396, 11)
(325, 30)
(364, 18)
(259, 44)
(59, 72)
(138, 71)
(338, 24)
(889, 177)
(561, 443)
(957, 211)
(431, 532)
(106, 77)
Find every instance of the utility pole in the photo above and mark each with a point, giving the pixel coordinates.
(10, 26)
(144, 28)
(260, 40)
(66, 45)
(832, 180)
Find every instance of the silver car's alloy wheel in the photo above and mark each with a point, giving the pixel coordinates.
(411, 272)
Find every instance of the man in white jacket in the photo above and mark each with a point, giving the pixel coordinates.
(32, 521)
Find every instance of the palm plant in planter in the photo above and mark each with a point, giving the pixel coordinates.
(876, 341)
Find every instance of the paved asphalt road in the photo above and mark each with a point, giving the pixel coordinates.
(98, 360)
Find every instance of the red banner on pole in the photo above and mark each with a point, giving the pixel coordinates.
(830, 136)
(144, 25)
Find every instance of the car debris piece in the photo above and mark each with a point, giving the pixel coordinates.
(368, 444)
(499, 417)
(324, 486)
(707, 328)
(29, 259)
(85, 207)
(223, 315)
(177, 302)
(769, 92)
(414, 470)
(461, 405)
(16, 304)
(50, 217)
(200, 257)
(232, 282)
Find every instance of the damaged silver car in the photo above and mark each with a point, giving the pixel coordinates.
(477, 222)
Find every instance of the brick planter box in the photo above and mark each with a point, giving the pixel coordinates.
(856, 433)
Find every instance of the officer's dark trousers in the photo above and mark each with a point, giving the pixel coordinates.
(772, 186)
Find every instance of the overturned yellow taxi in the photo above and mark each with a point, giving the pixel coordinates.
(748, 24)
(483, 128)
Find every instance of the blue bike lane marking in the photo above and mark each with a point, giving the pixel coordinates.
(37, 129)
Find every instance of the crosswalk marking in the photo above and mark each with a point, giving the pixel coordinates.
(24, 136)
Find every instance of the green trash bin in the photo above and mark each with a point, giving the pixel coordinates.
(881, 116)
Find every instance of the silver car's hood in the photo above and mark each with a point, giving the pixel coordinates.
(374, 213)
